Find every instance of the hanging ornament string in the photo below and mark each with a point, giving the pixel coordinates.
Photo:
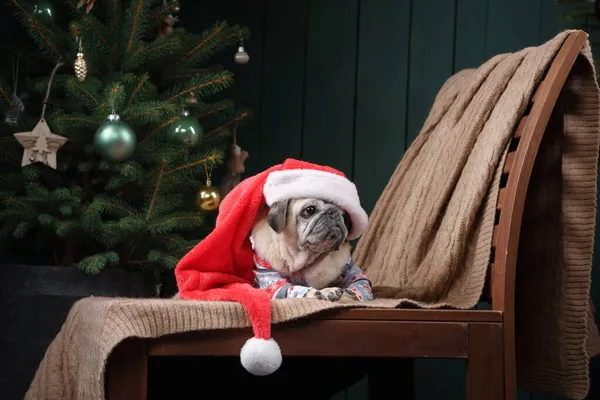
(16, 74)
(58, 65)
(11, 116)
(235, 133)
(113, 100)
(208, 172)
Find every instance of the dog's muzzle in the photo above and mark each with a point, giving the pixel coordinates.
(329, 231)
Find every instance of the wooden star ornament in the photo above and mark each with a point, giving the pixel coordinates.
(40, 145)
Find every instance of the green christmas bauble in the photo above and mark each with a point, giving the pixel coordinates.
(187, 131)
(115, 140)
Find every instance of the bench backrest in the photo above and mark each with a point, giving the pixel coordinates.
(541, 116)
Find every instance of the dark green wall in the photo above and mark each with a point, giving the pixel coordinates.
(349, 83)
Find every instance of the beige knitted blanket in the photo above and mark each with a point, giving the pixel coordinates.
(429, 239)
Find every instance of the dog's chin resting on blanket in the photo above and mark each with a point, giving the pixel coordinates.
(301, 251)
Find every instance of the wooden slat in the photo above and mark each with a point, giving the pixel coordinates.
(330, 338)
(399, 314)
(501, 198)
(520, 127)
(510, 158)
(495, 236)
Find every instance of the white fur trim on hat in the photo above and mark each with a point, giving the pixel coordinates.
(298, 183)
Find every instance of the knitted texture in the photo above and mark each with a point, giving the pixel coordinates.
(429, 238)
(437, 213)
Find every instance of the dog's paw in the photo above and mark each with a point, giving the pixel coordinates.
(313, 294)
(348, 296)
(332, 293)
(329, 294)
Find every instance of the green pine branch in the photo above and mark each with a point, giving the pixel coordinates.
(47, 39)
(151, 52)
(85, 93)
(149, 112)
(10, 150)
(95, 263)
(128, 173)
(63, 123)
(204, 46)
(139, 89)
(175, 223)
(136, 22)
(202, 86)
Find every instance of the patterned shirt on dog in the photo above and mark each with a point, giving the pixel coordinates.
(279, 286)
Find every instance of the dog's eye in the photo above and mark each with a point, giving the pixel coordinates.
(308, 211)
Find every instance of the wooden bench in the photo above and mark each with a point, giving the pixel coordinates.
(484, 338)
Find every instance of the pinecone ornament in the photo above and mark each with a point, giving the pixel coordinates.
(80, 67)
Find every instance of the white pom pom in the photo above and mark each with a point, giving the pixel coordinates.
(261, 357)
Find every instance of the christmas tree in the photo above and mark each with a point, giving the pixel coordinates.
(131, 101)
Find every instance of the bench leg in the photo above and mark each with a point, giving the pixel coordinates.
(127, 371)
(485, 364)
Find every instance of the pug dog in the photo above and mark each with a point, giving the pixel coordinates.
(301, 251)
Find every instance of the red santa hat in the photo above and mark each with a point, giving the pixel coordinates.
(220, 267)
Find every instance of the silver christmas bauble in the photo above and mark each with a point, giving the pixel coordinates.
(241, 57)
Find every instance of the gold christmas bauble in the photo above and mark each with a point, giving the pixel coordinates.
(80, 67)
(208, 198)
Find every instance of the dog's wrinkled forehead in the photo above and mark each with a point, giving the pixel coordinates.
(301, 210)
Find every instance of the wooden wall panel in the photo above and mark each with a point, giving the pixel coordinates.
(328, 135)
(283, 72)
(381, 87)
(469, 46)
(512, 25)
(431, 57)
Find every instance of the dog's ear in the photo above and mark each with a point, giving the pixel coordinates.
(347, 221)
(278, 215)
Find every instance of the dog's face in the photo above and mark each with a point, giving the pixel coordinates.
(312, 225)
